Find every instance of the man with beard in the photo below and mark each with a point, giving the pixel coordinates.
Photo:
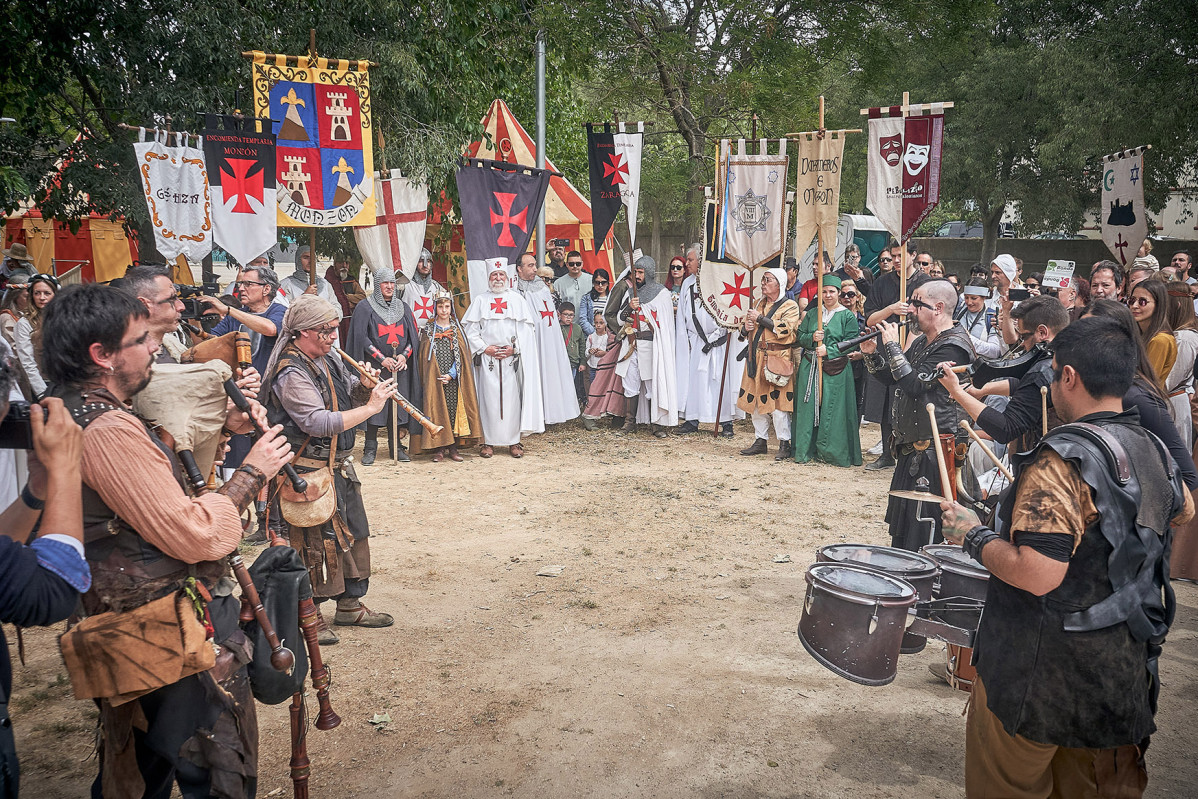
(558, 396)
(349, 292)
(571, 286)
(700, 352)
(297, 283)
(914, 373)
(384, 324)
(146, 539)
(319, 403)
(557, 257)
(420, 292)
(503, 343)
(1106, 281)
(1004, 276)
(642, 312)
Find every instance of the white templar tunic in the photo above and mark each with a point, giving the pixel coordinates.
(699, 372)
(501, 319)
(420, 300)
(649, 372)
(557, 379)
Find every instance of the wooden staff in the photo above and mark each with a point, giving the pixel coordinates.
(819, 287)
(370, 381)
(989, 452)
(946, 486)
(1043, 410)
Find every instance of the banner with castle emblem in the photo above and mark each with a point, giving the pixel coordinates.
(320, 108)
(753, 212)
(1124, 223)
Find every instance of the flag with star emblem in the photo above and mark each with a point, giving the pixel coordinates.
(753, 206)
(241, 178)
(615, 166)
(500, 204)
(1124, 223)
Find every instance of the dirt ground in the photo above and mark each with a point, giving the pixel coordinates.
(662, 662)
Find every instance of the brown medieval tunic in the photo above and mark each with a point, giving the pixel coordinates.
(758, 395)
(453, 405)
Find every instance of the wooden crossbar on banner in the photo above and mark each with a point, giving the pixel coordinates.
(1131, 153)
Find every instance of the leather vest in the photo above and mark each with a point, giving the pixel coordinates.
(127, 571)
(1077, 666)
(332, 381)
(1040, 374)
(908, 414)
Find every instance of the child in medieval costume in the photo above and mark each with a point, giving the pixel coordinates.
(825, 418)
(443, 362)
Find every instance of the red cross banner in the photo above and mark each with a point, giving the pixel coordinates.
(175, 183)
(614, 158)
(401, 212)
(725, 287)
(500, 204)
(242, 178)
(1124, 221)
(903, 183)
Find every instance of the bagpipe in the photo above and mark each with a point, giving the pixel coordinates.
(188, 403)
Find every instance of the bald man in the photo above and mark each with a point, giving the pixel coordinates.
(914, 373)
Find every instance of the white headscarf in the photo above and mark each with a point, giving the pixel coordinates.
(1007, 264)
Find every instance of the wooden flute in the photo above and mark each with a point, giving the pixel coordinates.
(370, 381)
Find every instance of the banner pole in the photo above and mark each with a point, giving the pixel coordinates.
(903, 250)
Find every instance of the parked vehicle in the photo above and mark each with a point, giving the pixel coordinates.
(963, 230)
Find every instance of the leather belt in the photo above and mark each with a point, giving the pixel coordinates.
(312, 464)
(644, 335)
(776, 347)
(913, 446)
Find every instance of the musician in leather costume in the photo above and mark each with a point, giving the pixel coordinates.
(143, 540)
(940, 339)
(313, 396)
(1078, 602)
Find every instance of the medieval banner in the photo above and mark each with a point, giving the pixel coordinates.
(175, 182)
(324, 162)
(241, 167)
(725, 287)
(753, 213)
(500, 204)
(615, 167)
(904, 168)
(817, 193)
(1124, 222)
(396, 238)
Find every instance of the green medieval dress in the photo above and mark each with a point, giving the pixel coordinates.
(837, 440)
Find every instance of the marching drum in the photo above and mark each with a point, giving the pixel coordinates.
(919, 570)
(853, 620)
(960, 576)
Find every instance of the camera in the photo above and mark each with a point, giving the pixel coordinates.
(16, 429)
(189, 296)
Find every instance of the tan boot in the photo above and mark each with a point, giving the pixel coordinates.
(358, 615)
(324, 634)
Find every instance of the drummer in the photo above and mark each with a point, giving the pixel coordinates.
(1067, 682)
(941, 340)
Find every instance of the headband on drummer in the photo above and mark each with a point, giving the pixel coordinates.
(976, 291)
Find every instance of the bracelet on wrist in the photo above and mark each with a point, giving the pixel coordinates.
(30, 500)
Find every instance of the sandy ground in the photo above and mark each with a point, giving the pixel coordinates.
(663, 661)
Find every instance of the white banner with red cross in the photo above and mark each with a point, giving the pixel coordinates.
(397, 236)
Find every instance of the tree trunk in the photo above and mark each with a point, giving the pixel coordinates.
(655, 239)
(990, 223)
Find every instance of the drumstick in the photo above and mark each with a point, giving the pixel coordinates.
(1043, 410)
(946, 487)
(989, 452)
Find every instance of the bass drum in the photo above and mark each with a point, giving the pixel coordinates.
(960, 576)
(853, 620)
(918, 570)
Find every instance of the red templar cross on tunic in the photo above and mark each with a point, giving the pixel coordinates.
(547, 314)
(423, 308)
(392, 332)
(498, 305)
(392, 221)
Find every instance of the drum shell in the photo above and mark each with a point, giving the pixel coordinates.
(835, 626)
(922, 579)
(957, 579)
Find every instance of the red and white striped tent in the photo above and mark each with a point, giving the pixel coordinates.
(567, 210)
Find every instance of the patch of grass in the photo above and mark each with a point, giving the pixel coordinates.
(587, 604)
(586, 551)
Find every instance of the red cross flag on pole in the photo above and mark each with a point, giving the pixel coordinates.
(397, 235)
(241, 169)
(500, 203)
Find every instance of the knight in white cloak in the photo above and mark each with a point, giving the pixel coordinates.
(700, 352)
(502, 337)
(558, 394)
(642, 311)
(419, 293)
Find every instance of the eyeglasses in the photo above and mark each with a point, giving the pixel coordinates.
(851, 257)
(922, 304)
(848, 294)
(249, 283)
(885, 260)
(1031, 284)
(1141, 301)
(171, 300)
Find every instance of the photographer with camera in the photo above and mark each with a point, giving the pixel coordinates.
(256, 287)
(40, 581)
(159, 567)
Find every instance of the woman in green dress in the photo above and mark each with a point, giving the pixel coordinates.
(833, 437)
